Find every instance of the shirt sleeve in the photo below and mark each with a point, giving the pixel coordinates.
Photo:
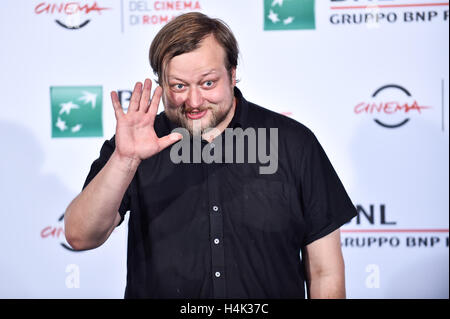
(326, 204)
(105, 153)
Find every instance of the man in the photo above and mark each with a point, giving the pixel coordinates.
(212, 229)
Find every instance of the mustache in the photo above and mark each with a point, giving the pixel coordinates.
(187, 109)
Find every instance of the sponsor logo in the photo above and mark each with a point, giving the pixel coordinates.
(289, 15)
(150, 13)
(391, 106)
(372, 228)
(70, 15)
(124, 97)
(76, 111)
(374, 13)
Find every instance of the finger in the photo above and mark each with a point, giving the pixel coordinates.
(145, 98)
(135, 98)
(168, 140)
(153, 109)
(118, 110)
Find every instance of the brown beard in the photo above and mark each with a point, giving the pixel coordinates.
(179, 118)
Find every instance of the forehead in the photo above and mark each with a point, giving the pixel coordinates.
(208, 56)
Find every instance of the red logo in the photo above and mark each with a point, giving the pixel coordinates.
(158, 12)
(70, 14)
(391, 109)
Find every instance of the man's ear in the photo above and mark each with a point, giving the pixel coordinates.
(233, 77)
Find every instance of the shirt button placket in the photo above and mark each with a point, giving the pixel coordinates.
(217, 252)
(216, 230)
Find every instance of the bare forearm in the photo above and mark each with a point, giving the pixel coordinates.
(93, 214)
(325, 268)
(327, 287)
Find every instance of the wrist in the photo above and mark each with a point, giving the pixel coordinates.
(125, 164)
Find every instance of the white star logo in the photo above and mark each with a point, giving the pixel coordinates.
(279, 2)
(273, 16)
(76, 128)
(61, 125)
(67, 107)
(288, 20)
(89, 97)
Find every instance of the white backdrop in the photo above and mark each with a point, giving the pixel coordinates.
(341, 72)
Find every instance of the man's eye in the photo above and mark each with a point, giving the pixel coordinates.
(179, 86)
(209, 83)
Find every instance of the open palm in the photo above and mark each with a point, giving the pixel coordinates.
(135, 135)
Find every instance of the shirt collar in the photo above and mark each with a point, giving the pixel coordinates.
(240, 113)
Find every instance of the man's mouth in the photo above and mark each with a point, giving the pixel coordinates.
(196, 114)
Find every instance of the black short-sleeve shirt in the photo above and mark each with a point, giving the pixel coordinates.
(222, 229)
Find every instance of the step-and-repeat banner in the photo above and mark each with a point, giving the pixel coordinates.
(369, 78)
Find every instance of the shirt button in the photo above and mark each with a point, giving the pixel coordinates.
(217, 274)
(216, 241)
(215, 208)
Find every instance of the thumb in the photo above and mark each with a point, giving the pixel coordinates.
(168, 140)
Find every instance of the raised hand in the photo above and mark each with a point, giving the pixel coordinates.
(136, 138)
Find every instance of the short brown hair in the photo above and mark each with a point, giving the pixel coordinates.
(183, 34)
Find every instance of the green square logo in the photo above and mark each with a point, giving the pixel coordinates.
(289, 15)
(76, 111)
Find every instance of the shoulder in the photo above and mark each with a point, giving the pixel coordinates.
(288, 128)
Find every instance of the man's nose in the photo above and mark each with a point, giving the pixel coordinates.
(195, 98)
